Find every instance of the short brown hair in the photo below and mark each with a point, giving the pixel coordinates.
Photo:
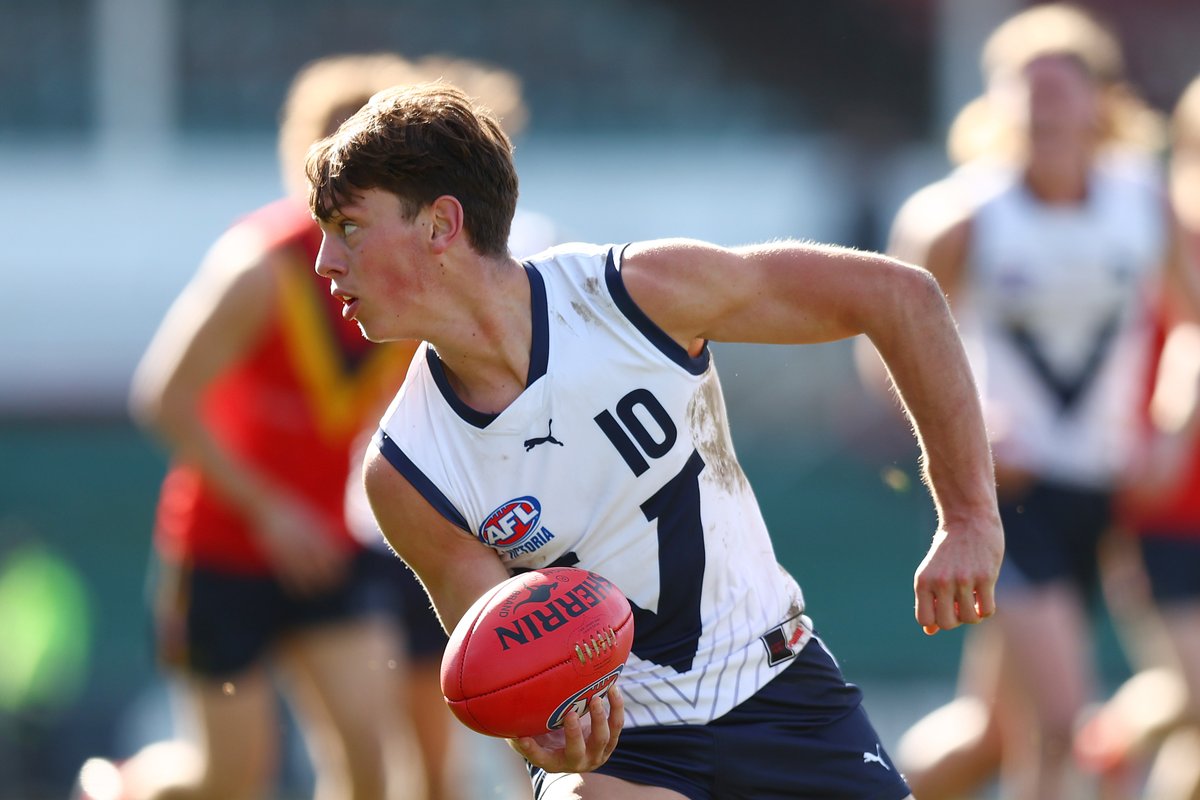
(421, 142)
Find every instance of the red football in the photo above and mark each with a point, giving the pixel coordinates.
(534, 647)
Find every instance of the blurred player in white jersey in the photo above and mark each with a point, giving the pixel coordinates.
(581, 382)
(1052, 241)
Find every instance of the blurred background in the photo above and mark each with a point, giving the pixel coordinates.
(132, 132)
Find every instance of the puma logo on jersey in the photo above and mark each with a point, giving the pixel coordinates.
(877, 757)
(547, 439)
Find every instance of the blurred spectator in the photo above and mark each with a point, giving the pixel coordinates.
(1050, 240)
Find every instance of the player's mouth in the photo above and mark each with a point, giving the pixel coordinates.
(349, 304)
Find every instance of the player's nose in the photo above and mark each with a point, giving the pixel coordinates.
(330, 261)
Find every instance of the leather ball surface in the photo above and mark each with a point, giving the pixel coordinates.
(532, 648)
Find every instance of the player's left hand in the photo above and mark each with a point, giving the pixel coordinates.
(956, 582)
(583, 743)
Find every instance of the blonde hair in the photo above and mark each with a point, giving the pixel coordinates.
(493, 89)
(1185, 120)
(980, 129)
(329, 90)
(1185, 155)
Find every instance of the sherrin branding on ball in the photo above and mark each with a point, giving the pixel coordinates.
(534, 647)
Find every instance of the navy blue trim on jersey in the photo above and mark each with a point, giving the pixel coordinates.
(404, 465)
(657, 336)
(477, 418)
(539, 354)
(539, 348)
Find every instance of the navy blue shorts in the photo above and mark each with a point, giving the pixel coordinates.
(1172, 566)
(220, 623)
(425, 638)
(804, 734)
(1052, 533)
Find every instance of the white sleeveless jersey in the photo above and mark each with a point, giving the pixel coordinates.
(1055, 315)
(616, 458)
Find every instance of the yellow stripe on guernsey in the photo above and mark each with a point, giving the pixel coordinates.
(343, 391)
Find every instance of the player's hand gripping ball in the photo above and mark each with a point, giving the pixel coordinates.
(534, 647)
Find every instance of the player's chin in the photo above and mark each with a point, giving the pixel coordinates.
(370, 332)
(373, 331)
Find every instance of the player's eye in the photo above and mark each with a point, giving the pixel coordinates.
(347, 227)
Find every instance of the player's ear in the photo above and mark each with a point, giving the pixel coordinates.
(447, 218)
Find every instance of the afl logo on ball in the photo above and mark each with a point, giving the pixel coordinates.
(579, 701)
(510, 524)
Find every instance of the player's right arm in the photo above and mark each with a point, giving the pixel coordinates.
(801, 293)
(930, 229)
(456, 569)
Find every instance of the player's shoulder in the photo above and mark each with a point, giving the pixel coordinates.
(282, 225)
(282, 218)
(964, 190)
(571, 250)
(933, 212)
(574, 262)
(974, 184)
(1132, 171)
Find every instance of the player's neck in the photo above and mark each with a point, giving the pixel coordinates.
(486, 351)
(1059, 181)
(1058, 186)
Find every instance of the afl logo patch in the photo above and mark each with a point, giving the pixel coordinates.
(511, 523)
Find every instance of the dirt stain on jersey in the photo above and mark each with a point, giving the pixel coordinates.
(710, 432)
(585, 313)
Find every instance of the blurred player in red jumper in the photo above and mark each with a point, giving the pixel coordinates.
(261, 391)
